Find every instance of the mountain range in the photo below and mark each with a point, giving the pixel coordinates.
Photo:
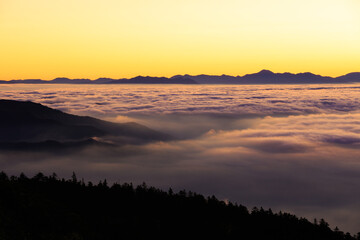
(262, 77)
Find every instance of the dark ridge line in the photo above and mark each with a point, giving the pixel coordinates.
(262, 77)
(47, 207)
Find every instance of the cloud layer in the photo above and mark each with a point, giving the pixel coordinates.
(294, 148)
(304, 164)
(111, 100)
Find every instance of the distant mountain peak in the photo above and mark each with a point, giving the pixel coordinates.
(265, 71)
(60, 78)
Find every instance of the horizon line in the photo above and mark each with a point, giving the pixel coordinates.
(180, 75)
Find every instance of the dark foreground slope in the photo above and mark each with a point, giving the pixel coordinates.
(27, 123)
(48, 208)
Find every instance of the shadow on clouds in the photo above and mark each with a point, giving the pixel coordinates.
(288, 147)
(307, 165)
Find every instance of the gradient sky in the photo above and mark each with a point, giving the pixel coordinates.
(112, 38)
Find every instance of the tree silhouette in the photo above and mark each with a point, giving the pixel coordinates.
(45, 207)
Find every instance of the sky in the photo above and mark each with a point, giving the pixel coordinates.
(111, 38)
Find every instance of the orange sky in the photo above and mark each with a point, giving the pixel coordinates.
(110, 38)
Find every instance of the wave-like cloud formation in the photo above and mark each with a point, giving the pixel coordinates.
(288, 147)
(308, 165)
(109, 101)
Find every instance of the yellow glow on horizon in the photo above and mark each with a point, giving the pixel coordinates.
(111, 38)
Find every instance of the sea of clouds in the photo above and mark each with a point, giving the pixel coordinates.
(289, 147)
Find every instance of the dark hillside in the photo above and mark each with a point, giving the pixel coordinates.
(49, 208)
(33, 122)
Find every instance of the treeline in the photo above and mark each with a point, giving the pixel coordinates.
(46, 207)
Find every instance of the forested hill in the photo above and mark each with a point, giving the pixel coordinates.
(45, 207)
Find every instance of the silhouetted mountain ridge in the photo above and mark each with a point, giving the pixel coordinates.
(269, 77)
(262, 77)
(135, 80)
(28, 122)
(45, 207)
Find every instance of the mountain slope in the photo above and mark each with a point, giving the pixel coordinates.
(33, 122)
(355, 76)
(49, 208)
